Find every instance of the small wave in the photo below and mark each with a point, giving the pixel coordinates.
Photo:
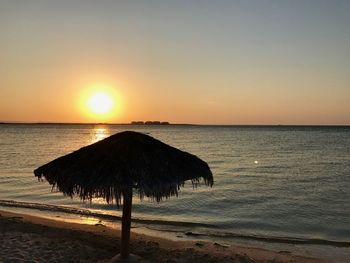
(268, 239)
(88, 213)
(207, 230)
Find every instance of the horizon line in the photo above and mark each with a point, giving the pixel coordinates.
(174, 124)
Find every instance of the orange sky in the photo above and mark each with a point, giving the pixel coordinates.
(183, 62)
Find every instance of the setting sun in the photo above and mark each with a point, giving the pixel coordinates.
(100, 103)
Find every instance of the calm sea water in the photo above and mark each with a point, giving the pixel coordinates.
(270, 182)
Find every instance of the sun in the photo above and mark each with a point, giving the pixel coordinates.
(100, 103)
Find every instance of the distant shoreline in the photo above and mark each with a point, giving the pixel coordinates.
(176, 124)
(94, 123)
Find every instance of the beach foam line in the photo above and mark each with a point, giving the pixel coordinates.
(88, 213)
(207, 233)
(268, 239)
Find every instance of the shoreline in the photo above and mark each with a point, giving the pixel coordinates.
(27, 237)
(295, 125)
(57, 212)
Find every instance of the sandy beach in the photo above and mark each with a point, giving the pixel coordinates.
(26, 238)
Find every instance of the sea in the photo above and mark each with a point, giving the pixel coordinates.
(285, 188)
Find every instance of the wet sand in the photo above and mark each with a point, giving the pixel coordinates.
(25, 238)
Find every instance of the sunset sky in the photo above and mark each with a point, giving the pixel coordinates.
(204, 62)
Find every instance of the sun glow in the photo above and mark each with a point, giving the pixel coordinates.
(100, 103)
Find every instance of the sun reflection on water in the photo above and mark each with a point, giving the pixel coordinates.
(99, 133)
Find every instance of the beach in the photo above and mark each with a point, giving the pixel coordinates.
(26, 238)
(175, 131)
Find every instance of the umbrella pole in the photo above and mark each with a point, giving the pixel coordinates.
(126, 223)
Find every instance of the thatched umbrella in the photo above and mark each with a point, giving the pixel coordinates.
(112, 167)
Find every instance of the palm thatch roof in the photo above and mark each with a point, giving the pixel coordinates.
(123, 161)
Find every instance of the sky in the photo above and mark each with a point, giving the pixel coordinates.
(202, 62)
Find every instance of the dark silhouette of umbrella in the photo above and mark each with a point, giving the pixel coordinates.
(113, 167)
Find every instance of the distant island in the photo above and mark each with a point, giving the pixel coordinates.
(150, 123)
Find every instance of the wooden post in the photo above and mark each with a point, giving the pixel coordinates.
(126, 223)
